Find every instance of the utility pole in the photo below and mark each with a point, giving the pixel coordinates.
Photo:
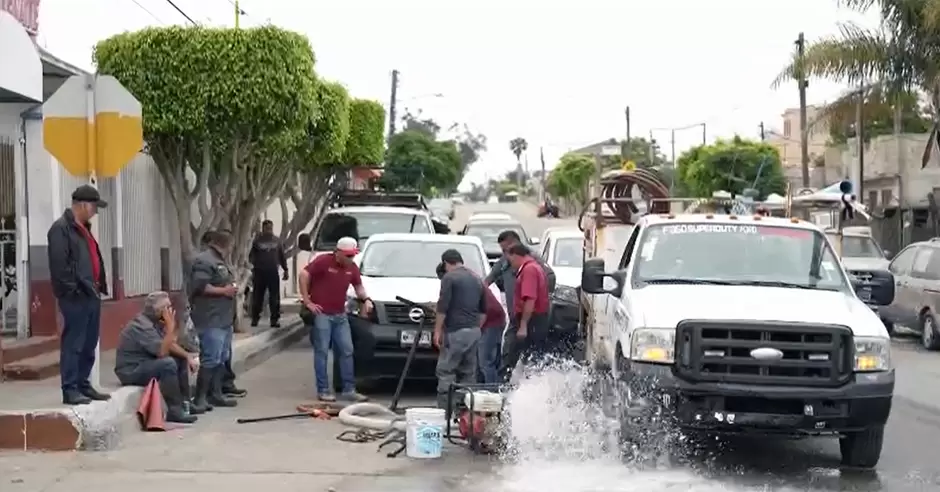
(652, 150)
(238, 15)
(763, 136)
(627, 147)
(391, 105)
(672, 143)
(704, 135)
(860, 143)
(804, 133)
(542, 177)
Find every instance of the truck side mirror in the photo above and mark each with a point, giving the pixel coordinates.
(303, 242)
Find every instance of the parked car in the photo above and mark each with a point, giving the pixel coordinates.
(916, 305)
(442, 207)
(402, 265)
(563, 250)
(488, 230)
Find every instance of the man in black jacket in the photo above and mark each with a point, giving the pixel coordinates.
(78, 278)
(266, 255)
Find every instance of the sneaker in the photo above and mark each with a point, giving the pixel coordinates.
(327, 397)
(353, 397)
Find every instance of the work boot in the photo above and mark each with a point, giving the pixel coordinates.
(175, 410)
(195, 409)
(275, 323)
(216, 398)
(74, 397)
(95, 394)
(352, 396)
(230, 389)
(203, 385)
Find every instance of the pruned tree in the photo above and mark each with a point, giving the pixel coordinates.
(416, 161)
(225, 112)
(366, 143)
(570, 177)
(733, 166)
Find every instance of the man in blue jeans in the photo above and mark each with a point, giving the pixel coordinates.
(212, 301)
(78, 278)
(323, 285)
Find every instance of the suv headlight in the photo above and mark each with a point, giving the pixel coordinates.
(872, 354)
(656, 345)
(566, 294)
(352, 306)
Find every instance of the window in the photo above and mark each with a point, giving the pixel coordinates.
(886, 196)
(399, 259)
(786, 128)
(546, 248)
(903, 261)
(872, 199)
(933, 267)
(919, 268)
(362, 225)
(860, 247)
(569, 252)
(731, 254)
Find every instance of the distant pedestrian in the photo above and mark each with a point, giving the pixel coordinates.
(266, 255)
(212, 299)
(323, 285)
(78, 276)
(527, 336)
(150, 348)
(461, 310)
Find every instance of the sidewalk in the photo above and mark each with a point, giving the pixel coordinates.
(33, 418)
(216, 453)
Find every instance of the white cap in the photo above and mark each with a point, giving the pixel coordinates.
(347, 245)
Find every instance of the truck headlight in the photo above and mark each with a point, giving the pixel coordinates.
(872, 354)
(566, 294)
(656, 345)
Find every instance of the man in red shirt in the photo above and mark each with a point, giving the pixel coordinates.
(528, 330)
(488, 351)
(323, 285)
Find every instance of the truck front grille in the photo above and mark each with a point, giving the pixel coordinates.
(793, 353)
(398, 314)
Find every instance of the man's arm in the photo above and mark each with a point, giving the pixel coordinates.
(308, 273)
(58, 250)
(495, 272)
(443, 302)
(281, 257)
(201, 278)
(253, 252)
(357, 285)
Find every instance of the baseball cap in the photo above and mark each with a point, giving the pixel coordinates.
(88, 194)
(348, 246)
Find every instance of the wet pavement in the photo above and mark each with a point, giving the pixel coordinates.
(561, 451)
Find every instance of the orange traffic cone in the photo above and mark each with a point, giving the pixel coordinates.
(150, 412)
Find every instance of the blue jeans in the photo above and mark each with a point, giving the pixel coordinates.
(81, 325)
(215, 346)
(488, 354)
(332, 330)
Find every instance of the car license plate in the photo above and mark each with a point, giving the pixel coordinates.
(408, 338)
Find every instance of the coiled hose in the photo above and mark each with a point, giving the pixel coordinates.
(371, 416)
(620, 185)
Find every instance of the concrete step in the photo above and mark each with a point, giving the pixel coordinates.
(33, 368)
(16, 350)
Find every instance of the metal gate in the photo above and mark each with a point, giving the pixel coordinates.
(8, 293)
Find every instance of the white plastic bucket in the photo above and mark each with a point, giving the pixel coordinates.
(424, 432)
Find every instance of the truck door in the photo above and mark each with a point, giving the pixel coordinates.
(619, 309)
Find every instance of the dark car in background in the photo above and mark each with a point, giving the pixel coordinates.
(488, 230)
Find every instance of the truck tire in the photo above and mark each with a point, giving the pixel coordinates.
(646, 431)
(862, 449)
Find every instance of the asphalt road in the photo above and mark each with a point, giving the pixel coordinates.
(303, 455)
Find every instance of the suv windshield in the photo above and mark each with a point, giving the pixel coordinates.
(728, 254)
(488, 233)
(362, 225)
(569, 252)
(860, 247)
(417, 259)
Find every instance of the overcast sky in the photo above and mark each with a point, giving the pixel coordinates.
(556, 72)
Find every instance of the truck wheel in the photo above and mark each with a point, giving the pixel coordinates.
(862, 449)
(646, 433)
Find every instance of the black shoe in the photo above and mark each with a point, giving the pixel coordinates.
(73, 397)
(234, 391)
(275, 323)
(203, 384)
(178, 416)
(254, 323)
(216, 398)
(95, 394)
(198, 409)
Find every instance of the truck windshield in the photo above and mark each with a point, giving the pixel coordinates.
(362, 225)
(414, 259)
(860, 247)
(729, 254)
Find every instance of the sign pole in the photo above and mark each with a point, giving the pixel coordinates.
(91, 147)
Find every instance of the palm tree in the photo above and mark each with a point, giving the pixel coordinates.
(899, 57)
(518, 145)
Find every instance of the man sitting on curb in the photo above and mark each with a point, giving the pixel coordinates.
(148, 349)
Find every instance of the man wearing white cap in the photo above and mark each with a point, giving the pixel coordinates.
(323, 285)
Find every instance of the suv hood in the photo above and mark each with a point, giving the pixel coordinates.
(667, 305)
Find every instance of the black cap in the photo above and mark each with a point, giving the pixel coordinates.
(451, 257)
(88, 194)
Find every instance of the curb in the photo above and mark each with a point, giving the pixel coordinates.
(99, 426)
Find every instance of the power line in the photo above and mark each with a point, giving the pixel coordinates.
(184, 14)
(145, 9)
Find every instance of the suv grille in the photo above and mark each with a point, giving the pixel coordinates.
(397, 314)
(721, 351)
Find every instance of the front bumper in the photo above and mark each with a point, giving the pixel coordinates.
(379, 353)
(862, 403)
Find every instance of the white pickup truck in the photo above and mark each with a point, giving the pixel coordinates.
(722, 323)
